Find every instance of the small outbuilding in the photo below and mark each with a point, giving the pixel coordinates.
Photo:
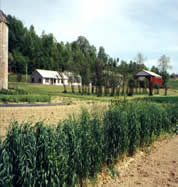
(150, 76)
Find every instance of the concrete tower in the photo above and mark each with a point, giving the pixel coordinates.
(3, 51)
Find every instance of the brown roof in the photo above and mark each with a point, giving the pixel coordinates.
(3, 17)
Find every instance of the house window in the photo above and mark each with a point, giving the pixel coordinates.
(58, 80)
(47, 80)
(39, 80)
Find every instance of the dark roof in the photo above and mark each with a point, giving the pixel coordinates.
(3, 17)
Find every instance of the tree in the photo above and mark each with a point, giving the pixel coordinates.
(84, 45)
(164, 63)
(140, 59)
(155, 69)
(165, 78)
(99, 67)
(123, 68)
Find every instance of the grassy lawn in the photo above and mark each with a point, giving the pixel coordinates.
(57, 95)
(173, 83)
(57, 92)
(13, 78)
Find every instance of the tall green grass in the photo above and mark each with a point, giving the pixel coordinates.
(24, 98)
(167, 99)
(76, 149)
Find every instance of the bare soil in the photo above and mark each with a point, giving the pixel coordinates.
(51, 115)
(156, 168)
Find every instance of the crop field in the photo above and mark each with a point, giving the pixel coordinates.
(50, 115)
(72, 142)
(77, 148)
(54, 94)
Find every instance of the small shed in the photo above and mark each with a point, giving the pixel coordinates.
(150, 76)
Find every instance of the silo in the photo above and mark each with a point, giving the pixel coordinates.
(3, 51)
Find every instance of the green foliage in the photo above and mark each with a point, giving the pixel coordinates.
(165, 77)
(13, 78)
(24, 98)
(115, 133)
(14, 92)
(167, 99)
(76, 149)
(173, 83)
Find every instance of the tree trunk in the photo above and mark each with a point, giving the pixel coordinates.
(88, 89)
(105, 91)
(65, 88)
(118, 91)
(93, 89)
(83, 88)
(72, 87)
(150, 88)
(136, 89)
(166, 88)
(99, 90)
(79, 89)
(123, 88)
(113, 91)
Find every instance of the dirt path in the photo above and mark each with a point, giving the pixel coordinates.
(159, 168)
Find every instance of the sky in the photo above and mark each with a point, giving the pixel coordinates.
(123, 27)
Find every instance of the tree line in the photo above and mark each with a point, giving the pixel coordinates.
(29, 51)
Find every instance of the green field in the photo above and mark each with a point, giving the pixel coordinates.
(173, 83)
(78, 148)
(14, 78)
(53, 91)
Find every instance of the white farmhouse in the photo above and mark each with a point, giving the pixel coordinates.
(48, 77)
(55, 78)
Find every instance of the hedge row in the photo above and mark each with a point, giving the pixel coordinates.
(39, 155)
(24, 98)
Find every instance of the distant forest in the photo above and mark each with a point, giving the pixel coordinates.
(27, 49)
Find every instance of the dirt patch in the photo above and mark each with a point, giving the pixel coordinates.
(159, 168)
(50, 115)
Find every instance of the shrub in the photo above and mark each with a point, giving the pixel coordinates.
(24, 98)
(13, 92)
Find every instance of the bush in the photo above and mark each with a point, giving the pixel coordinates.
(167, 99)
(24, 98)
(13, 92)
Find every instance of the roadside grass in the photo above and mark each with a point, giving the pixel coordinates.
(24, 98)
(163, 99)
(57, 91)
(173, 83)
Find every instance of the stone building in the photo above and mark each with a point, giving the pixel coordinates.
(3, 51)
